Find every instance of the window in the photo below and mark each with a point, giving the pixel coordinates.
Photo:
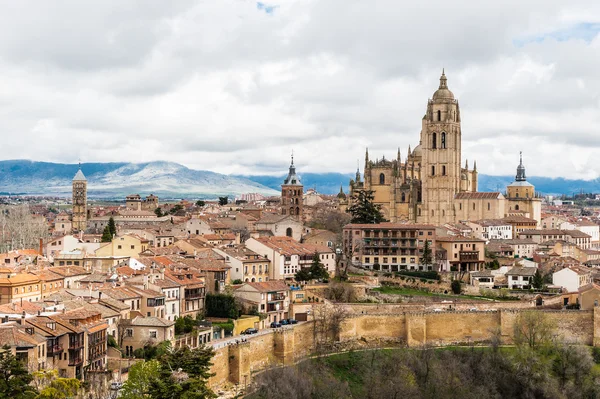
(118, 247)
(152, 334)
(403, 197)
(432, 212)
(443, 144)
(489, 206)
(443, 170)
(434, 140)
(129, 332)
(473, 206)
(432, 170)
(516, 207)
(133, 247)
(381, 178)
(439, 115)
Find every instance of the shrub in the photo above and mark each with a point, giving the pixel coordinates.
(431, 275)
(456, 287)
(237, 281)
(222, 305)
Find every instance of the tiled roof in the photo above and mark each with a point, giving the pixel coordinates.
(270, 286)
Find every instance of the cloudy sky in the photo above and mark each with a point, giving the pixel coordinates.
(233, 86)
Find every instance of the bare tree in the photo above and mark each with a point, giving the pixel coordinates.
(327, 324)
(20, 229)
(534, 329)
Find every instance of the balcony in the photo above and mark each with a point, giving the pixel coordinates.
(97, 341)
(76, 361)
(277, 297)
(77, 344)
(54, 350)
(468, 256)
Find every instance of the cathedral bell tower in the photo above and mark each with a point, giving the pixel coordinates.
(441, 155)
(292, 192)
(79, 201)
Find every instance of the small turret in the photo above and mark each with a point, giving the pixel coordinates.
(521, 169)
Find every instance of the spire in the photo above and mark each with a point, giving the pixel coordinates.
(292, 178)
(474, 166)
(409, 150)
(79, 176)
(467, 164)
(443, 80)
(398, 156)
(521, 169)
(367, 158)
(357, 171)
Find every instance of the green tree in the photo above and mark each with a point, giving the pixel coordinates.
(60, 388)
(223, 201)
(14, 377)
(302, 274)
(176, 208)
(455, 287)
(317, 270)
(222, 305)
(112, 227)
(191, 383)
(427, 257)
(106, 236)
(538, 280)
(363, 210)
(158, 212)
(139, 379)
(200, 203)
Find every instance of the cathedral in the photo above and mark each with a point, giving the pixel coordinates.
(432, 186)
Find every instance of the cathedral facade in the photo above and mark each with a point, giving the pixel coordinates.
(432, 186)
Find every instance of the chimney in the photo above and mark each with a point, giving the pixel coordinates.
(41, 247)
(99, 295)
(39, 312)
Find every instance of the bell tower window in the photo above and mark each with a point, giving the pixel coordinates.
(432, 170)
(443, 170)
(434, 140)
(381, 178)
(439, 115)
(443, 143)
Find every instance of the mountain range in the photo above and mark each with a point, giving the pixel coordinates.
(172, 180)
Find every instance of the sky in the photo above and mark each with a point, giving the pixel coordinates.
(235, 86)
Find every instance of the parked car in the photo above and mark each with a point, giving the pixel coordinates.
(115, 386)
(275, 325)
(292, 321)
(284, 322)
(250, 331)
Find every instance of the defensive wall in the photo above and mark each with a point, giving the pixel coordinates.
(236, 363)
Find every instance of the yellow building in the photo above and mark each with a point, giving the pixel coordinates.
(125, 245)
(20, 287)
(431, 186)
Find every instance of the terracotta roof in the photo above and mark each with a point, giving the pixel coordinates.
(522, 271)
(20, 278)
(288, 246)
(147, 322)
(270, 286)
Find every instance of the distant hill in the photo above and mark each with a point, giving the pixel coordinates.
(329, 183)
(115, 180)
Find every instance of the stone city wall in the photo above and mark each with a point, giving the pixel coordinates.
(235, 364)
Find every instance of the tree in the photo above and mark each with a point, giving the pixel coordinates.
(139, 379)
(222, 305)
(317, 270)
(363, 210)
(538, 280)
(60, 388)
(106, 236)
(223, 200)
(533, 329)
(176, 208)
(456, 287)
(302, 274)
(200, 203)
(112, 227)
(427, 258)
(158, 212)
(14, 377)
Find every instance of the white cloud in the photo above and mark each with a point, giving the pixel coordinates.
(229, 87)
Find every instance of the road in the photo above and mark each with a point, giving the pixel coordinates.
(220, 343)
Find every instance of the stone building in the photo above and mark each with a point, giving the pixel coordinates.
(432, 185)
(134, 202)
(79, 201)
(292, 192)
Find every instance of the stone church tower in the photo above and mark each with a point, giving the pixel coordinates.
(79, 201)
(292, 191)
(440, 150)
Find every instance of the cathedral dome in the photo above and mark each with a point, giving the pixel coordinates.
(443, 93)
(417, 152)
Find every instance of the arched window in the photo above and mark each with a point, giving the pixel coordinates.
(432, 170)
(443, 144)
(473, 206)
(516, 207)
(297, 211)
(439, 115)
(443, 170)
(292, 211)
(434, 140)
(419, 211)
(460, 206)
(403, 197)
(288, 232)
(381, 178)
(489, 206)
